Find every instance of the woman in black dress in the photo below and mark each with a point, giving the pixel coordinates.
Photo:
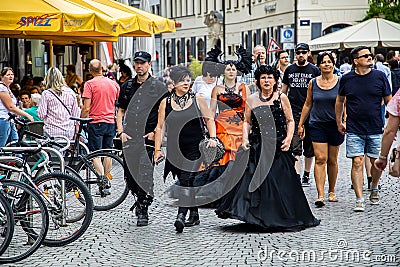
(269, 194)
(178, 113)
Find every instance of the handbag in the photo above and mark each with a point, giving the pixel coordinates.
(209, 155)
(394, 163)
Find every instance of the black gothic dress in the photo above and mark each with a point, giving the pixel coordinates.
(278, 203)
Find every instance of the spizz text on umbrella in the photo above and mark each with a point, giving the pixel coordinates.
(37, 21)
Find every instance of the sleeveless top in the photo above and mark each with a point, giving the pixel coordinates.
(258, 115)
(184, 124)
(323, 109)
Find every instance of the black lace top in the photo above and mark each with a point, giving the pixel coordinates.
(269, 120)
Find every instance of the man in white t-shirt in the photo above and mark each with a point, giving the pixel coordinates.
(209, 79)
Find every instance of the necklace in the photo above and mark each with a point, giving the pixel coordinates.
(230, 90)
(265, 99)
(181, 101)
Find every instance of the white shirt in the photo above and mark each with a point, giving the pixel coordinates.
(3, 109)
(205, 89)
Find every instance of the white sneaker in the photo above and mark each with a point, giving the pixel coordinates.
(360, 206)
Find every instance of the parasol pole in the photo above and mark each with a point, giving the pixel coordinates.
(51, 53)
(94, 50)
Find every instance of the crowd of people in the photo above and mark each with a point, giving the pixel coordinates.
(267, 117)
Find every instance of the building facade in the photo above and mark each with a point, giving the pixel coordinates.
(201, 24)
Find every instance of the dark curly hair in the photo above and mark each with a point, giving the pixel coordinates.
(266, 69)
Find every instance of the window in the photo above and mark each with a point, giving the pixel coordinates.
(178, 48)
(199, 6)
(188, 51)
(200, 50)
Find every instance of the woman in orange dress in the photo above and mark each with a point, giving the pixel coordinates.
(228, 102)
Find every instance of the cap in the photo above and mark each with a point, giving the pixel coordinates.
(143, 56)
(302, 46)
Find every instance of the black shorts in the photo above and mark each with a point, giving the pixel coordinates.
(100, 135)
(302, 146)
(326, 132)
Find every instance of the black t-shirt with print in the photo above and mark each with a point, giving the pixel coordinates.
(297, 79)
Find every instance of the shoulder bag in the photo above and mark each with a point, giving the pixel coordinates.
(394, 163)
(69, 112)
(209, 155)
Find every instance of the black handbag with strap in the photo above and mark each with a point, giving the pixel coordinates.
(209, 155)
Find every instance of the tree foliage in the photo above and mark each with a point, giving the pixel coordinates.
(195, 67)
(387, 9)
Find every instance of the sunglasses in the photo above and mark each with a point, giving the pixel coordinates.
(325, 52)
(365, 56)
(301, 52)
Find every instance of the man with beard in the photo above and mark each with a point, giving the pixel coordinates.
(364, 89)
(295, 84)
(282, 64)
(139, 176)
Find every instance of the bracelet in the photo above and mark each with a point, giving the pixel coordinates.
(157, 149)
(119, 134)
(213, 138)
(382, 157)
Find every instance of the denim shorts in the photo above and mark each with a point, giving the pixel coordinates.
(100, 135)
(325, 132)
(360, 144)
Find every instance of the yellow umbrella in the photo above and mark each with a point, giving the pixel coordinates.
(130, 24)
(36, 18)
(160, 24)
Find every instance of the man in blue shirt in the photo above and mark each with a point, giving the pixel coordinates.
(363, 88)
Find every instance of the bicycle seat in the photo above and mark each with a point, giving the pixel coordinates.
(21, 150)
(82, 120)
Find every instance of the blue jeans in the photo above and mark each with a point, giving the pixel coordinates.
(359, 144)
(8, 132)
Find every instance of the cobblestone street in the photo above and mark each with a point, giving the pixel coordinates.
(344, 238)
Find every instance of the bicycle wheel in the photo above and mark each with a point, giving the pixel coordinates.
(113, 179)
(70, 218)
(6, 224)
(31, 213)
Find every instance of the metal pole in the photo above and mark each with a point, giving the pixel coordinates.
(223, 28)
(51, 53)
(295, 22)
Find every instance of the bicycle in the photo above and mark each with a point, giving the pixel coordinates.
(6, 224)
(29, 210)
(101, 170)
(67, 198)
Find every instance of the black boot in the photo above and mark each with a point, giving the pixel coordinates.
(180, 222)
(193, 218)
(142, 214)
